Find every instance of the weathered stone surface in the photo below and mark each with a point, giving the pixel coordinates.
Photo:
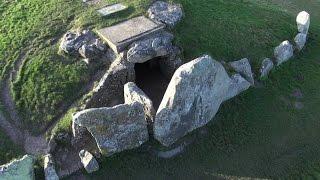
(303, 22)
(115, 128)
(83, 44)
(18, 169)
(237, 85)
(266, 66)
(244, 68)
(283, 52)
(167, 13)
(111, 9)
(49, 168)
(157, 45)
(171, 63)
(132, 93)
(90, 163)
(192, 98)
(109, 90)
(300, 41)
(120, 36)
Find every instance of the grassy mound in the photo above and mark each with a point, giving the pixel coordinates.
(48, 81)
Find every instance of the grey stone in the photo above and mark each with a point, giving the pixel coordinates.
(111, 9)
(303, 22)
(49, 168)
(18, 169)
(90, 163)
(171, 63)
(117, 128)
(300, 41)
(147, 49)
(83, 44)
(192, 98)
(237, 85)
(283, 52)
(132, 93)
(108, 92)
(244, 68)
(121, 35)
(167, 13)
(266, 66)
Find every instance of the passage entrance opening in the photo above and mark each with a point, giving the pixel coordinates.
(151, 80)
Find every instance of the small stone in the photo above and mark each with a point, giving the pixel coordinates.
(18, 169)
(303, 22)
(114, 8)
(266, 66)
(300, 40)
(167, 13)
(283, 52)
(49, 169)
(89, 162)
(244, 68)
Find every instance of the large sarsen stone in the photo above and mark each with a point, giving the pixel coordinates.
(115, 128)
(193, 97)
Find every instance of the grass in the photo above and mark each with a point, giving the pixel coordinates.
(257, 134)
(8, 150)
(48, 81)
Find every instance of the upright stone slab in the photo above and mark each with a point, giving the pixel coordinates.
(111, 9)
(132, 93)
(89, 163)
(283, 52)
(49, 168)
(18, 169)
(266, 66)
(303, 22)
(244, 68)
(192, 98)
(109, 90)
(117, 128)
(121, 35)
(300, 40)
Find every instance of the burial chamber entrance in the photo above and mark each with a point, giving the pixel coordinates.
(151, 79)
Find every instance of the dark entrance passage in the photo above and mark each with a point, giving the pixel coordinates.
(151, 80)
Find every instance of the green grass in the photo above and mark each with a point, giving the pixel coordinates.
(8, 150)
(259, 133)
(48, 81)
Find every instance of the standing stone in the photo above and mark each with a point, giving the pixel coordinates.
(117, 128)
(132, 93)
(49, 169)
(283, 52)
(169, 14)
(303, 22)
(147, 49)
(89, 162)
(237, 85)
(108, 92)
(300, 40)
(266, 66)
(244, 68)
(192, 99)
(18, 169)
